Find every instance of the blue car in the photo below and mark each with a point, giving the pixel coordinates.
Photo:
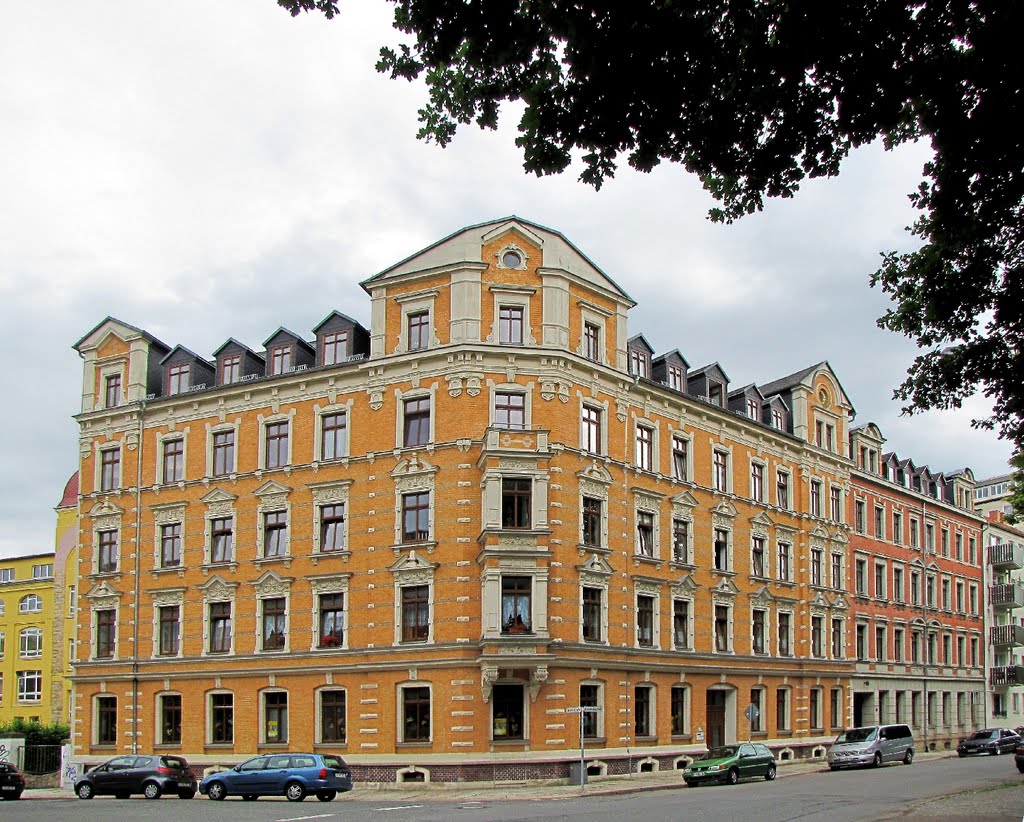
(292, 775)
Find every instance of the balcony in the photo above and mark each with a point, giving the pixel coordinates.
(1006, 635)
(1008, 675)
(1007, 596)
(1006, 557)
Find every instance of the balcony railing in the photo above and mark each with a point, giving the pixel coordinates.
(1009, 595)
(1006, 556)
(1007, 675)
(1006, 635)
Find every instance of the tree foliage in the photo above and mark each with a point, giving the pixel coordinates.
(36, 733)
(754, 96)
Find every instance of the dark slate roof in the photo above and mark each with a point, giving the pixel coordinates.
(241, 345)
(696, 372)
(188, 351)
(290, 333)
(744, 389)
(788, 382)
(107, 319)
(331, 316)
(640, 338)
(668, 354)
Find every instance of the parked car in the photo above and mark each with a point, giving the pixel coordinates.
(872, 745)
(12, 781)
(152, 776)
(293, 775)
(1018, 755)
(993, 741)
(731, 763)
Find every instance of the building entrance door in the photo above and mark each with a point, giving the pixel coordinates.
(716, 718)
(861, 704)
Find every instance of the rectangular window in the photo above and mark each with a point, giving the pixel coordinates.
(859, 516)
(222, 532)
(897, 644)
(959, 547)
(838, 639)
(174, 460)
(592, 605)
(757, 716)
(782, 709)
(416, 417)
(817, 636)
(644, 534)
(972, 550)
(915, 588)
(333, 433)
(782, 489)
(516, 494)
(30, 644)
(110, 469)
(675, 378)
(170, 545)
(914, 533)
(177, 379)
(757, 564)
(416, 714)
(30, 686)
(275, 717)
(105, 633)
(510, 410)
(112, 397)
(721, 549)
(680, 465)
(516, 605)
(170, 719)
(106, 720)
(720, 470)
(275, 534)
(230, 370)
(220, 627)
(415, 516)
(879, 522)
(784, 634)
(681, 624)
(757, 482)
(645, 621)
(880, 582)
(785, 550)
(419, 330)
(815, 498)
(591, 342)
(591, 429)
(722, 628)
(222, 719)
(759, 626)
(860, 577)
(837, 570)
(510, 324)
(944, 537)
(642, 708)
(880, 643)
(170, 630)
(815, 707)
(277, 444)
(753, 408)
(862, 641)
(897, 527)
(836, 503)
(334, 346)
(897, 584)
(929, 538)
(281, 359)
(681, 541)
(332, 527)
(638, 363)
(223, 453)
(816, 566)
(679, 724)
(273, 624)
(644, 448)
(332, 716)
(592, 522)
(415, 613)
(107, 552)
(332, 620)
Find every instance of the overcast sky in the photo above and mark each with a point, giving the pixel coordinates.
(204, 170)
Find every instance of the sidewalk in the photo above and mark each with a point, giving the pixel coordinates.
(495, 792)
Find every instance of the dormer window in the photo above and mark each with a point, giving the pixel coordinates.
(637, 363)
(280, 359)
(675, 378)
(334, 347)
(112, 391)
(177, 379)
(716, 394)
(231, 369)
(752, 408)
(778, 419)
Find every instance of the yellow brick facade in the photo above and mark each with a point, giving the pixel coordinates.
(431, 668)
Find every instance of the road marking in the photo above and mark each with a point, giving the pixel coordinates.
(297, 818)
(399, 808)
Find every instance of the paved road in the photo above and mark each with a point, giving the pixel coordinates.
(984, 788)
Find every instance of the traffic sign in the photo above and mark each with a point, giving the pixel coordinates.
(582, 709)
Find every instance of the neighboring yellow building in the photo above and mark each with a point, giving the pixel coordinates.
(26, 653)
(65, 564)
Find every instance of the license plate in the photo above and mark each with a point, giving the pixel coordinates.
(10, 787)
(184, 784)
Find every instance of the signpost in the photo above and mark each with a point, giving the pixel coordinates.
(582, 709)
(751, 713)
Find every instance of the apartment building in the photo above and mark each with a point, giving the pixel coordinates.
(419, 543)
(1004, 618)
(918, 595)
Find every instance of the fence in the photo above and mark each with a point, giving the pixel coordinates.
(41, 759)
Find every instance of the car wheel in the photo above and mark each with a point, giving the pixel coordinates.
(690, 783)
(186, 794)
(1020, 767)
(769, 775)
(908, 757)
(326, 796)
(215, 790)
(250, 797)
(833, 767)
(151, 790)
(961, 755)
(877, 760)
(11, 796)
(295, 792)
(733, 776)
(85, 791)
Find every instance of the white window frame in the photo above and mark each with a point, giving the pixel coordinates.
(416, 303)
(212, 430)
(525, 391)
(602, 410)
(161, 440)
(264, 422)
(512, 297)
(401, 397)
(318, 704)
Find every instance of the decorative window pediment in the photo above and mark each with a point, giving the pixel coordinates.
(168, 512)
(725, 587)
(839, 537)
(103, 595)
(271, 583)
(594, 473)
(819, 532)
(722, 514)
(414, 473)
(595, 570)
(840, 602)
(216, 588)
(327, 492)
(329, 584)
(271, 487)
(761, 521)
(763, 597)
(648, 500)
(684, 503)
(819, 601)
(106, 516)
(413, 569)
(685, 586)
(219, 496)
(648, 586)
(168, 596)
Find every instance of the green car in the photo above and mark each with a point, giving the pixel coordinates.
(731, 763)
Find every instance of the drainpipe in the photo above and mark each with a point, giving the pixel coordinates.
(138, 548)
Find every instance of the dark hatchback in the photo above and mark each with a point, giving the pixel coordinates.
(293, 776)
(989, 741)
(12, 781)
(152, 776)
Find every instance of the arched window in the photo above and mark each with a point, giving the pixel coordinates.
(30, 604)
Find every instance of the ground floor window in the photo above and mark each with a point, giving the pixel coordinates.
(416, 714)
(275, 717)
(507, 702)
(679, 705)
(332, 716)
(170, 719)
(106, 720)
(589, 697)
(222, 719)
(643, 708)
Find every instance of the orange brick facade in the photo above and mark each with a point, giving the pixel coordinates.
(564, 529)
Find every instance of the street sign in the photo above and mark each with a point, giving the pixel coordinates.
(752, 712)
(582, 709)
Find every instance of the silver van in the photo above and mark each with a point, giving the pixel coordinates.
(872, 745)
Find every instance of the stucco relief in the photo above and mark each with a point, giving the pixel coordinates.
(271, 584)
(337, 584)
(165, 514)
(175, 596)
(216, 589)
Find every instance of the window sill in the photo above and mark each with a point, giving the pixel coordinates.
(284, 558)
(398, 547)
(342, 554)
(274, 746)
(229, 564)
(723, 572)
(593, 549)
(426, 743)
(219, 746)
(509, 742)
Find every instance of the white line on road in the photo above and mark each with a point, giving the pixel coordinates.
(399, 808)
(297, 818)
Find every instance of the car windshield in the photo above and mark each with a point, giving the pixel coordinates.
(857, 735)
(983, 734)
(719, 753)
(175, 762)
